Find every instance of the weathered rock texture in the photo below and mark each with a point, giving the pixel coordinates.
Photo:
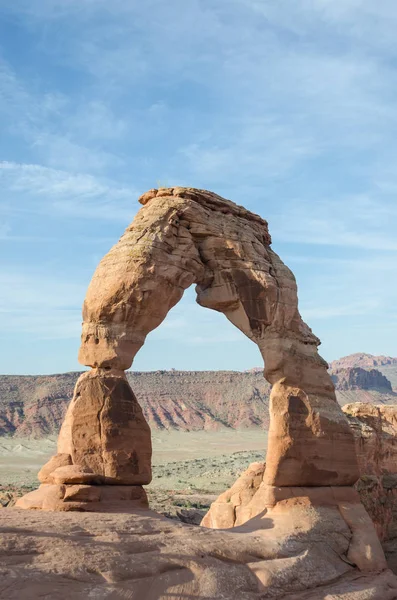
(183, 236)
(104, 441)
(105, 430)
(83, 497)
(375, 432)
(233, 507)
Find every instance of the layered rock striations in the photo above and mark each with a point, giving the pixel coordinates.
(375, 433)
(385, 364)
(34, 406)
(358, 378)
(364, 361)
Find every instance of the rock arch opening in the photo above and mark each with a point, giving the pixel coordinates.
(195, 339)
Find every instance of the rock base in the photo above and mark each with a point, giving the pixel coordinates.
(85, 498)
(248, 506)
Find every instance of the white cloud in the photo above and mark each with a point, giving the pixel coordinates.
(254, 145)
(63, 132)
(355, 222)
(60, 152)
(79, 195)
(337, 311)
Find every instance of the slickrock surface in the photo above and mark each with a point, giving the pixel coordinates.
(295, 553)
(375, 431)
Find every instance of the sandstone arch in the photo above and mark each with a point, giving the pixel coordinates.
(185, 236)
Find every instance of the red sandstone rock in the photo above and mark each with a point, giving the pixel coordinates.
(59, 460)
(85, 498)
(375, 432)
(104, 429)
(358, 378)
(82, 493)
(75, 474)
(183, 236)
(229, 509)
(278, 505)
(365, 361)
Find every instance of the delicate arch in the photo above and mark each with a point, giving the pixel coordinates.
(183, 236)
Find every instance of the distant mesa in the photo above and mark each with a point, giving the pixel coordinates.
(365, 361)
(361, 379)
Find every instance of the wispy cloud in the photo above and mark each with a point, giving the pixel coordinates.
(66, 193)
(62, 133)
(353, 222)
(251, 146)
(337, 311)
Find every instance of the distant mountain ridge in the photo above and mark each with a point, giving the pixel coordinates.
(365, 361)
(387, 365)
(356, 378)
(185, 400)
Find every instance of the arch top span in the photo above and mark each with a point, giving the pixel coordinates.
(183, 236)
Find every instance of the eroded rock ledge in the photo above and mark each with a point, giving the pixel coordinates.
(212, 202)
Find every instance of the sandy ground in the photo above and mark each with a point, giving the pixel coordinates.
(186, 461)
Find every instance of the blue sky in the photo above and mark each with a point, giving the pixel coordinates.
(286, 107)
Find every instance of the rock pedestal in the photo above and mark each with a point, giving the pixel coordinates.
(85, 498)
(251, 503)
(104, 450)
